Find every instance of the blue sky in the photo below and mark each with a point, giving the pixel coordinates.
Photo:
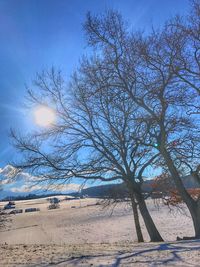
(36, 34)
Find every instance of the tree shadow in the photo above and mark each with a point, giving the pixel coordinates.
(175, 250)
(78, 260)
(144, 256)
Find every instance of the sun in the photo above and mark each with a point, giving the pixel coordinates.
(44, 116)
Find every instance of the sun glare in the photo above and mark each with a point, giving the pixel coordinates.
(44, 116)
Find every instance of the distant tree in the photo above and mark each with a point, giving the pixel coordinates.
(170, 196)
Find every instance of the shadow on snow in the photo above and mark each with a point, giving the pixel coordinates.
(143, 256)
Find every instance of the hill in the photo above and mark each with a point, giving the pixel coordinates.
(100, 191)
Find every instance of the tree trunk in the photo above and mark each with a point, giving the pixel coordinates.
(196, 220)
(149, 223)
(150, 226)
(193, 206)
(136, 219)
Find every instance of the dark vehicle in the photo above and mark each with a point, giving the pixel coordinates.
(32, 209)
(16, 211)
(10, 205)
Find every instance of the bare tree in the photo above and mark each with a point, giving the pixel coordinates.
(144, 67)
(93, 138)
(173, 99)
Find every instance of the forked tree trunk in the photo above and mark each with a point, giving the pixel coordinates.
(193, 206)
(136, 219)
(149, 223)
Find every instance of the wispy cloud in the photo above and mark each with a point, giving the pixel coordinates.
(25, 189)
(56, 188)
(9, 176)
(8, 171)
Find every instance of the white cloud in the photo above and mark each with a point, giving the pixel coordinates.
(5, 181)
(25, 189)
(61, 188)
(9, 175)
(66, 187)
(8, 171)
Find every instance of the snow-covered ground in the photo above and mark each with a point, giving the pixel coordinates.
(81, 233)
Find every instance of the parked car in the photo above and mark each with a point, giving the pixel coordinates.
(32, 209)
(10, 205)
(16, 211)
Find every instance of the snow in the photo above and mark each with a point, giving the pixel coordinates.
(88, 235)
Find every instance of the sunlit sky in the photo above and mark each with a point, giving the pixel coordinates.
(36, 34)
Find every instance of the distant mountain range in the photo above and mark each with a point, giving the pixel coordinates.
(97, 191)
